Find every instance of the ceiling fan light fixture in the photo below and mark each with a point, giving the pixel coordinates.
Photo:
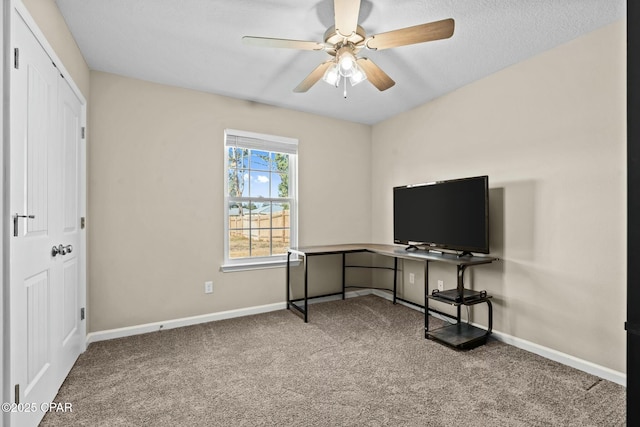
(347, 64)
(332, 75)
(358, 76)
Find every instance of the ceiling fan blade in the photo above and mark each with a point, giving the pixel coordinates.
(284, 43)
(375, 75)
(417, 34)
(312, 78)
(346, 16)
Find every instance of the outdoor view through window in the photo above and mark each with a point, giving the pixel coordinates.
(258, 201)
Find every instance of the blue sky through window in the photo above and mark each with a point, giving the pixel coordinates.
(261, 177)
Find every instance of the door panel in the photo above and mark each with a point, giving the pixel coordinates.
(40, 89)
(70, 111)
(70, 301)
(38, 349)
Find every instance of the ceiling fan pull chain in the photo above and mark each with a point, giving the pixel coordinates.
(345, 87)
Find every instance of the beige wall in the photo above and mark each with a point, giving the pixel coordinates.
(50, 21)
(156, 198)
(550, 133)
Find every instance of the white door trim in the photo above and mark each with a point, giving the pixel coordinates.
(4, 129)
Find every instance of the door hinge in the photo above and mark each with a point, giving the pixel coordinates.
(17, 393)
(16, 58)
(56, 67)
(82, 132)
(82, 313)
(82, 223)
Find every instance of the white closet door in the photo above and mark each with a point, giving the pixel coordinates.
(44, 202)
(70, 335)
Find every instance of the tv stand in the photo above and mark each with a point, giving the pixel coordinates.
(411, 248)
(459, 335)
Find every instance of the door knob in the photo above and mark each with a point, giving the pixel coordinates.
(61, 249)
(57, 250)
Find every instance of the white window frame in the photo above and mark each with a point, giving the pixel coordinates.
(271, 143)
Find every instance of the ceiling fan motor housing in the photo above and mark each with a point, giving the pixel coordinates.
(332, 37)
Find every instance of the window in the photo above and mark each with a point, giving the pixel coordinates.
(260, 199)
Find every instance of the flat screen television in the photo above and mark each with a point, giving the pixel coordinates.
(452, 214)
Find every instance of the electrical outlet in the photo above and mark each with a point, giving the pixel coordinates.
(441, 285)
(208, 287)
(412, 278)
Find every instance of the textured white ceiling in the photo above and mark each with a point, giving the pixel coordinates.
(197, 44)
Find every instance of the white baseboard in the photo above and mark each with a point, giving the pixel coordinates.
(565, 359)
(178, 323)
(557, 356)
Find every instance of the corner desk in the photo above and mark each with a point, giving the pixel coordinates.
(458, 335)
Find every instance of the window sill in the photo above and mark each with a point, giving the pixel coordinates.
(258, 265)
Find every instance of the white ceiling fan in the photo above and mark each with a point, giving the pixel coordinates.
(345, 40)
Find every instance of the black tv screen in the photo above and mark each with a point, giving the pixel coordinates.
(451, 214)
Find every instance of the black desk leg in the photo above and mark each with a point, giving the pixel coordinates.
(344, 256)
(306, 295)
(395, 278)
(426, 300)
(461, 269)
(288, 282)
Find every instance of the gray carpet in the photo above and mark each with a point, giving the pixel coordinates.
(358, 362)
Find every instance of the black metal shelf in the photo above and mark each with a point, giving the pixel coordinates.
(453, 297)
(460, 335)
